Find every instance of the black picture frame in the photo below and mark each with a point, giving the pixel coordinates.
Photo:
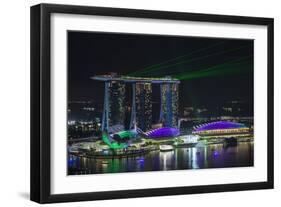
(41, 95)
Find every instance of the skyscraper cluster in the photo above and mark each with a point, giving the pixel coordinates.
(114, 111)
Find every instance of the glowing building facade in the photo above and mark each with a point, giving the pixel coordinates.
(114, 106)
(221, 128)
(117, 103)
(169, 104)
(141, 110)
(163, 132)
(143, 95)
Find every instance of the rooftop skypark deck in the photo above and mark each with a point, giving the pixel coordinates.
(132, 79)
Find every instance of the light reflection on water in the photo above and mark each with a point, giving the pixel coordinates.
(210, 156)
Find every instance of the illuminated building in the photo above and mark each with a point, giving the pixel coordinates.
(116, 103)
(169, 104)
(141, 112)
(114, 107)
(221, 128)
(163, 132)
(125, 135)
(175, 104)
(111, 143)
(143, 103)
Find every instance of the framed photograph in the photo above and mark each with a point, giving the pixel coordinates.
(133, 103)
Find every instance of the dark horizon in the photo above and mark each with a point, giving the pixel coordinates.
(212, 71)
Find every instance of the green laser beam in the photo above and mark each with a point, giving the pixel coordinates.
(192, 60)
(236, 61)
(223, 69)
(212, 70)
(176, 58)
(211, 67)
(189, 61)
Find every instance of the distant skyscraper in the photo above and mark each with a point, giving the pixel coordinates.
(169, 104)
(143, 103)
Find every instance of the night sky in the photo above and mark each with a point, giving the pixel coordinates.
(212, 70)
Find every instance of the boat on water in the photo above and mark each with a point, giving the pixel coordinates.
(165, 148)
(104, 162)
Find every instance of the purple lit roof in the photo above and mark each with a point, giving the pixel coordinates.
(163, 132)
(219, 125)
